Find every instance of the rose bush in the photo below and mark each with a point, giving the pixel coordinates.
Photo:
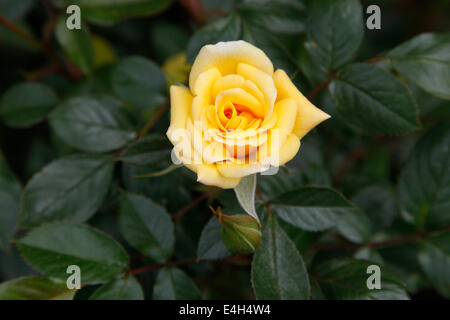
(238, 115)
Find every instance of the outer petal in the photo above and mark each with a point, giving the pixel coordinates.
(180, 109)
(208, 174)
(226, 56)
(308, 116)
(205, 81)
(289, 149)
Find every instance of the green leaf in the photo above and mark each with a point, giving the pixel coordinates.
(335, 31)
(35, 288)
(277, 16)
(70, 188)
(109, 12)
(174, 284)
(434, 258)
(278, 271)
(355, 226)
(76, 44)
(311, 208)
(147, 227)
(347, 279)
(10, 190)
(51, 248)
(424, 185)
(139, 82)
(148, 150)
(26, 104)
(425, 61)
(245, 193)
(120, 289)
(210, 245)
(93, 123)
(223, 29)
(372, 99)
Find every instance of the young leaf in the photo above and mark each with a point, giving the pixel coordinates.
(93, 123)
(311, 208)
(51, 248)
(372, 99)
(10, 190)
(148, 150)
(26, 104)
(425, 61)
(424, 185)
(147, 227)
(210, 245)
(121, 289)
(278, 271)
(174, 284)
(35, 288)
(245, 193)
(335, 31)
(131, 82)
(76, 44)
(434, 258)
(70, 188)
(347, 279)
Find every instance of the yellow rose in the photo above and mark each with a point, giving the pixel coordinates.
(239, 117)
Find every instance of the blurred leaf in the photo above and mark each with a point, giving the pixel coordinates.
(15, 10)
(374, 100)
(163, 30)
(223, 29)
(174, 284)
(147, 227)
(121, 289)
(277, 16)
(10, 190)
(311, 208)
(93, 123)
(425, 61)
(177, 69)
(103, 52)
(354, 225)
(108, 12)
(139, 82)
(51, 248)
(434, 258)
(35, 288)
(150, 149)
(278, 271)
(70, 188)
(210, 245)
(26, 104)
(335, 31)
(245, 193)
(76, 44)
(346, 279)
(424, 185)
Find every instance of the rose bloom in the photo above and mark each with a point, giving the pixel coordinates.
(238, 116)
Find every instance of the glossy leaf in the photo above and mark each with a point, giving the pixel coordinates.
(51, 248)
(148, 150)
(70, 188)
(35, 288)
(174, 284)
(121, 289)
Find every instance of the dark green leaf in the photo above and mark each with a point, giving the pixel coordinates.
(120, 289)
(335, 31)
(93, 123)
(311, 208)
(355, 226)
(26, 104)
(76, 44)
(425, 61)
(347, 279)
(148, 150)
(9, 203)
(69, 188)
(174, 284)
(278, 271)
(51, 248)
(147, 227)
(372, 99)
(434, 258)
(223, 29)
(424, 185)
(210, 245)
(35, 288)
(139, 82)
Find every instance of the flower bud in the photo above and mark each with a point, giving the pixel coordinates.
(240, 233)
